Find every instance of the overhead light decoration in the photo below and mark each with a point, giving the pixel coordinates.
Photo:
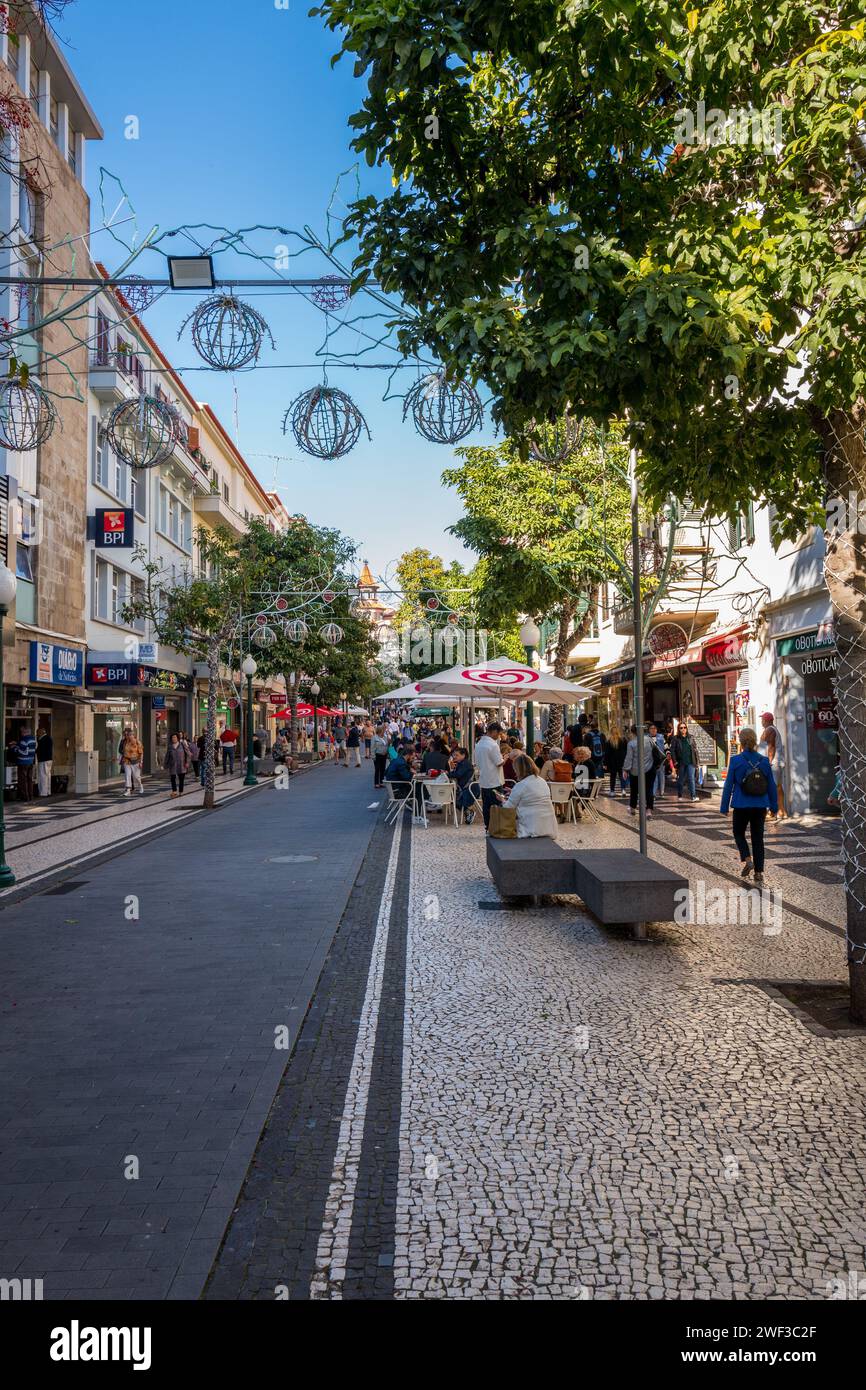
(191, 272)
(325, 422)
(556, 441)
(27, 416)
(331, 293)
(331, 633)
(141, 431)
(138, 293)
(444, 411)
(227, 333)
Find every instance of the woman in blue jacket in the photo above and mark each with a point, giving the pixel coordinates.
(750, 805)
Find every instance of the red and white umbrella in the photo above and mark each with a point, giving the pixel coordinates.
(505, 680)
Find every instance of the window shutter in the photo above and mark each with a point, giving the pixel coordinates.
(94, 445)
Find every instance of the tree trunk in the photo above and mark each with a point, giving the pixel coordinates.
(213, 661)
(293, 711)
(564, 644)
(845, 573)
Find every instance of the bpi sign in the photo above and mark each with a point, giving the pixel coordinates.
(114, 528)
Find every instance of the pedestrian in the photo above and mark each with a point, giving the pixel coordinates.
(195, 747)
(353, 743)
(367, 733)
(176, 764)
(595, 741)
(380, 757)
(750, 788)
(44, 759)
(463, 773)
(489, 759)
(228, 741)
(684, 752)
(282, 748)
(658, 739)
(339, 731)
(25, 757)
(634, 765)
(614, 759)
(131, 754)
(772, 748)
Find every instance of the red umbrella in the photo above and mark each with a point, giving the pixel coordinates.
(303, 712)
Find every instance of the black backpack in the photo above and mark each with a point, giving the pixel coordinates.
(754, 783)
(597, 745)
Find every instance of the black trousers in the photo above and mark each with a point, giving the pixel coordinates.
(488, 799)
(379, 764)
(649, 778)
(751, 819)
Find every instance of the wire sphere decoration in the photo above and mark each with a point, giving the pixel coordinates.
(296, 630)
(264, 636)
(331, 633)
(227, 333)
(444, 411)
(331, 293)
(557, 441)
(668, 641)
(325, 422)
(357, 608)
(142, 431)
(139, 295)
(27, 416)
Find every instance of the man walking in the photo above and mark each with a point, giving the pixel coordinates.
(353, 743)
(773, 749)
(340, 742)
(368, 732)
(44, 760)
(26, 757)
(228, 740)
(489, 760)
(131, 754)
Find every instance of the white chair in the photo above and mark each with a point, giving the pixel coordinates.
(419, 806)
(442, 792)
(396, 804)
(587, 803)
(562, 794)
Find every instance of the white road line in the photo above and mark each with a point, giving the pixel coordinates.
(333, 1247)
(374, 805)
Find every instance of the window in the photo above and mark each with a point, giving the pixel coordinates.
(138, 491)
(225, 492)
(13, 52)
(102, 341)
(175, 520)
(102, 458)
(29, 526)
(34, 87)
(28, 210)
(124, 356)
(112, 590)
(54, 120)
(118, 480)
(72, 152)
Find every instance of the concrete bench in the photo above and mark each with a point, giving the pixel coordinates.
(618, 886)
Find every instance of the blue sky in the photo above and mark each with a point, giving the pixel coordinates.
(243, 121)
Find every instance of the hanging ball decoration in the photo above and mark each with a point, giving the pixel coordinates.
(227, 333)
(138, 294)
(142, 431)
(296, 630)
(281, 604)
(264, 637)
(331, 293)
(27, 416)
(331, 633)
(444, 411)
(325, 422)
(554, 443)
(357, 608)
(668, 642)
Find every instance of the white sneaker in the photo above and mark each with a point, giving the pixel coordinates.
(127, 792)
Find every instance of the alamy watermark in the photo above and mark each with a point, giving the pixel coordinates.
(741, 125)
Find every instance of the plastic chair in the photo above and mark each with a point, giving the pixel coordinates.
(442, 792)
(562, 794)
(587, 803)
(396, 804)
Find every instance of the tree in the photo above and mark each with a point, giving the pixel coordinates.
(547, 534)
(196, 614)
(652, 212)
(303, 562)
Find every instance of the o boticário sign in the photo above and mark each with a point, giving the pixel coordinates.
(823, 636)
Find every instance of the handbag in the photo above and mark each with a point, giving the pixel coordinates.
(503, 822)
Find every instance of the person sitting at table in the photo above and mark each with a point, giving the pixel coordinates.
(399, 771)
(540, 753)
(530, 798)
(507, 760)
(463, 773)
(585, 773)
(435, 757)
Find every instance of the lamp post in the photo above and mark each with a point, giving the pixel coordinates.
(314, 691)
(530, 636)
(8, 585)
(249, 669)
(344, 699)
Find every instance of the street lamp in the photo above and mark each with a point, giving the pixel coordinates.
(314, 691)
(249, 669)
(530, 636)
(8, 585)
(345, 702)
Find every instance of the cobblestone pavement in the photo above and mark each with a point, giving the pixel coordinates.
(580, 1115)
(146, 1014)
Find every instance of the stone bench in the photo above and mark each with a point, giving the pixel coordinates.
(618, 886)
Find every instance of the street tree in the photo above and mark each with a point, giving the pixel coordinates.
(648, 211)
(547, 535)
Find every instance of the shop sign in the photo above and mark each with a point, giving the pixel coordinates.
(278, 700)
(115, 528)
(620, 677)
(819, 665)
(158, 702)
(51, 665)
(823, 713)
(221, 707)
(823, 636)
(130, 673)
(731, 652)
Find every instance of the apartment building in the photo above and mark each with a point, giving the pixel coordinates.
(47, 123)
(755, 632)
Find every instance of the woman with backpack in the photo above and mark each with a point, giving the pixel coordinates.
(617, 744)
(751, 789)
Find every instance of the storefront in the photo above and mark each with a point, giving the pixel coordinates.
(48, 702)
(809, 663)
(154, 700)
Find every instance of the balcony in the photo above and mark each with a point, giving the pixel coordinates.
(219, 513)
(107, 382)
(623, 618)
